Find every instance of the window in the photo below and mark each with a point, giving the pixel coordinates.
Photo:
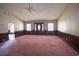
(42, 27)
(39, 27)
(28, 27)
(35, 27)
(50, 26)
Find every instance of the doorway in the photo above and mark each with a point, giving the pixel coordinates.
(11, 30)
(38, 27)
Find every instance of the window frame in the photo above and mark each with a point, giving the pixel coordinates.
(50, 29)
(28, 26)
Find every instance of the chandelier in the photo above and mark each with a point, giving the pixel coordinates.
(28, 8)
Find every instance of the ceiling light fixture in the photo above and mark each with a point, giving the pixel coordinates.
(28, 8)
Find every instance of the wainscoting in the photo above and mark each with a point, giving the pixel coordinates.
(72, 40)
(3, 37)
(19, 33)
(45, 32)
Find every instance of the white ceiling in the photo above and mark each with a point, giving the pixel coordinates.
(40, 11)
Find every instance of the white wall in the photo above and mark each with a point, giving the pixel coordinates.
(5, 18)
(69, 21)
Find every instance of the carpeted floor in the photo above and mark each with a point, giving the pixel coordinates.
(37, 45)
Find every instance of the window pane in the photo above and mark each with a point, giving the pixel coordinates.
(35, 27)
(39, 27)
(28, 27)
(50, 26)
(42, 28)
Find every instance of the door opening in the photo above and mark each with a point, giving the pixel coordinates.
(11, 31)
(38, 27)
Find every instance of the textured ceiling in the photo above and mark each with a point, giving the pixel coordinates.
(40, 11)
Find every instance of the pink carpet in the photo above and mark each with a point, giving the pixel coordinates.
(37, 45)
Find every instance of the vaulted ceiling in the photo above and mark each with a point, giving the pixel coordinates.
(40, 11)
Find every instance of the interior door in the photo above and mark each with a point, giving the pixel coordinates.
(38, 27)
